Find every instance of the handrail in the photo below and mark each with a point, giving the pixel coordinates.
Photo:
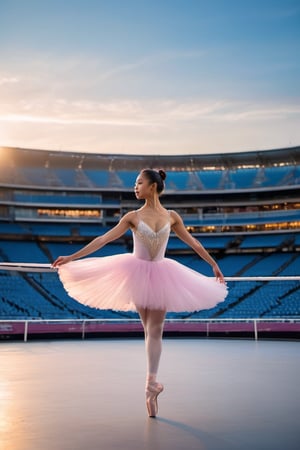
(41, 267)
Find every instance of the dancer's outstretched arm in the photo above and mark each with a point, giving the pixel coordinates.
(124, 224)
(180, 230)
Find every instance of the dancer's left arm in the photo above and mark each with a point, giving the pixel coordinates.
(180, 230)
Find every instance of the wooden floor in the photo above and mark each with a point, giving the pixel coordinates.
(89, 395)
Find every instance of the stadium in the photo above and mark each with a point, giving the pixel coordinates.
(243, 207)
(230, 373)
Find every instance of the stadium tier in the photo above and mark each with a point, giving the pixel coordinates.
(243, 207)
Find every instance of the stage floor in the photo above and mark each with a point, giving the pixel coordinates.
(89, 395)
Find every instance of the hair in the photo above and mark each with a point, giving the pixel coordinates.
(156, 176)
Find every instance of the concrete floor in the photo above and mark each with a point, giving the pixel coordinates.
(89, 395)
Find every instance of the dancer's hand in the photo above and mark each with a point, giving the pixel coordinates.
(61, 260)
(218, 274)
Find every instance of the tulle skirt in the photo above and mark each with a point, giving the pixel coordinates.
(125, 283)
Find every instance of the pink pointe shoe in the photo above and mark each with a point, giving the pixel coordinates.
(152, 392)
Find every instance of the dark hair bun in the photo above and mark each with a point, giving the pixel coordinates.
(163, 174)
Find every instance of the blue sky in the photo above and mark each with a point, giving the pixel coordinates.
(163, 77)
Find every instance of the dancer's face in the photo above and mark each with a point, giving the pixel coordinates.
(143, 187)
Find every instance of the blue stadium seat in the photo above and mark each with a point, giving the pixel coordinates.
(23, 251)
(243, 178)
(128, 178)
(210, 178)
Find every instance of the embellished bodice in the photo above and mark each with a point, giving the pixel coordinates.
(148, 244)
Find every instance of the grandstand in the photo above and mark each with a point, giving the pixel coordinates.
(243, 207)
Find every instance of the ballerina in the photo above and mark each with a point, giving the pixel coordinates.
(145, 280)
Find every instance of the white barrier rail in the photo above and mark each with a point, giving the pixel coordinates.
(84, 322)
(34, 267)
(27, 267)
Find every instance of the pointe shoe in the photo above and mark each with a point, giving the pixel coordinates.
(152, 392)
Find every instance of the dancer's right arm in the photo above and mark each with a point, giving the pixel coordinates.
(124, 224)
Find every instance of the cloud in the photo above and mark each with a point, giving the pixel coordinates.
(19, 118)
(8, 80)
(155, 130)
(150, 60)
(160, 113)
(122, 68)
(255, 112)
(44, 74)
(66, 104)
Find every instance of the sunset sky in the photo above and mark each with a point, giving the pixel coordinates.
(156, 76)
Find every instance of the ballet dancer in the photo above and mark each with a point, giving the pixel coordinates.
(145, 280)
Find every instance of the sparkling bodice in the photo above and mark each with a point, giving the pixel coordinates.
(148, 244)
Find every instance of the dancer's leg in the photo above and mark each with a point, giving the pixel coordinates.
(153, 322)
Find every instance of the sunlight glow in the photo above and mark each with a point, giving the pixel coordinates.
(6, 420)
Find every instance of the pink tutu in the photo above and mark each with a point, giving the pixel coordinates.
(124, 282)
(144, 279)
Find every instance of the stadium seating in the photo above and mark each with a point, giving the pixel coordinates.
(41, 295)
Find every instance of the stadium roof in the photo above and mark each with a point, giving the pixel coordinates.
(24, 157)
